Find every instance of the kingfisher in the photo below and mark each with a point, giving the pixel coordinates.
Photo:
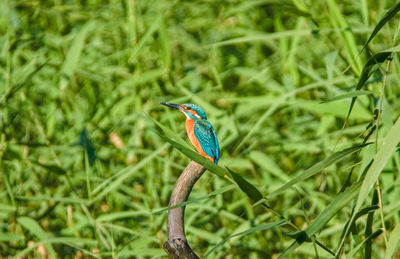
(199, 130)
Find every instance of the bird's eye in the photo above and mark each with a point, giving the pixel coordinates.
(188, 108)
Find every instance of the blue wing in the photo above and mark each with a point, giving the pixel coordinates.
(205, 133)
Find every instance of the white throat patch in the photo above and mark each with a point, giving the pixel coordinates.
(187, 116)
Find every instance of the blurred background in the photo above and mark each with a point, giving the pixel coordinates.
(83, 172)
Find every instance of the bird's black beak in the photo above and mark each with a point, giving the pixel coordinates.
(173, 106)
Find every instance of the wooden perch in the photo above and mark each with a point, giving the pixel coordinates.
(177, 246)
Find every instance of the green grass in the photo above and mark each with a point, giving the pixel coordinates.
(88, 156)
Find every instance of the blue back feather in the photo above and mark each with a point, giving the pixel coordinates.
(205, 133)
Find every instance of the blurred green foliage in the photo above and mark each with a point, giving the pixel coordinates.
(82, 172)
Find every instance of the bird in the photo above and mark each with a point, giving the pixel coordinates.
(199, 130)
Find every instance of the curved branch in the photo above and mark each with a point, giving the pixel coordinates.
(177, 246)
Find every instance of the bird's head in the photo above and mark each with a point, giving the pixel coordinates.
(191, 110)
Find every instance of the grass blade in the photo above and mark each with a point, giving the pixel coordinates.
(214, 193)
(338, 20)
(116, 180)
(247, 232)
(368, 239)
(388, 15)
(384, 153)
(334, 207)
(70, 241)
(316, 168)
(368, 225)
(371, 66)
(11, 237)
(75, 51)
(37, 231)
(252, 192)
(146, 37)
(347, 95)
(169, 133)
(393, 242)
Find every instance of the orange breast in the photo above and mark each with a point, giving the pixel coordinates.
(193, 139)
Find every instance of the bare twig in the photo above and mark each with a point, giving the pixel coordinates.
(177, 246)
